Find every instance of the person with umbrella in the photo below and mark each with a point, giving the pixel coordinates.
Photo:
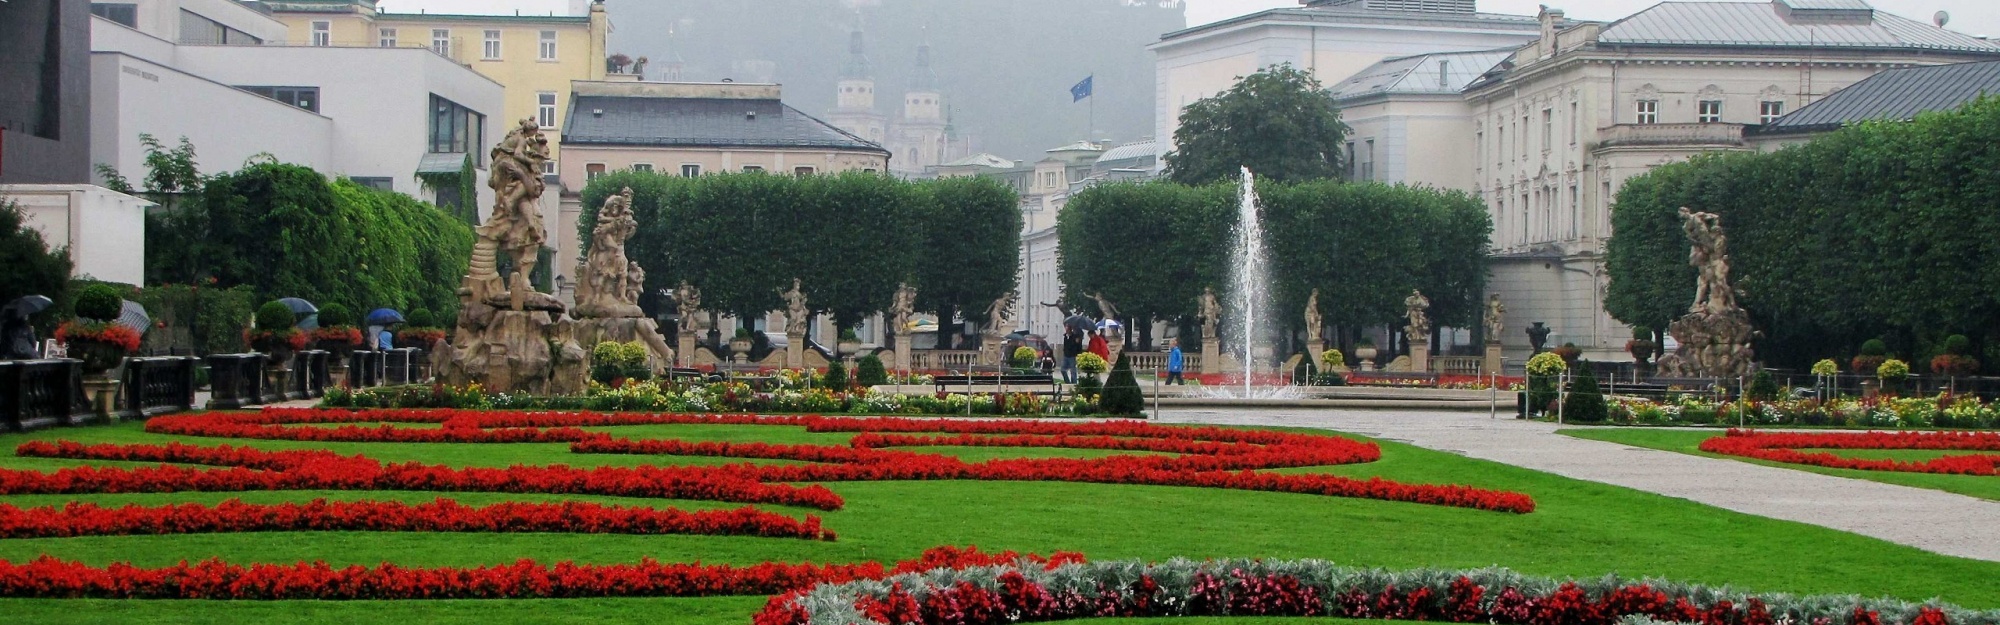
(378, 326)
(16, 330)
(1072, 346)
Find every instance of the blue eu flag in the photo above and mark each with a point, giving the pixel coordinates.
(1081, 90)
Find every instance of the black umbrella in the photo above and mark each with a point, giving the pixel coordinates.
(134, 316)
(299, 306)
(1080, 323)
(26, 306)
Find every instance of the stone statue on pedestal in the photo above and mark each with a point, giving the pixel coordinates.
(901, 308)
(1105, 307)
(1000, 316)
(1496, 318)
(797, 316)
(1715, 335)
(1314, 323)
(1416, 307)
(693, 318)
(605, 285)
(1211, 313)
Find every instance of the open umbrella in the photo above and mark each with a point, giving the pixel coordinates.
(310, 322)
(299, 306)
(1108, 325)
(1080, 323)
(134, 316)
(384, 317)
(25, 306)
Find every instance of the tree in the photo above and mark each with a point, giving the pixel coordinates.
(853, 249)
(1279, 122)
(1122, 396)
(1148, 247)
(32, 268)
(971, 230)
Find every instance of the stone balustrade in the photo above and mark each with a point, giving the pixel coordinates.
(36, 394)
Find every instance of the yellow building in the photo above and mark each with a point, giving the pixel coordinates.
(535, 57)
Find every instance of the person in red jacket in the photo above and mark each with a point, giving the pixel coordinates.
(1100, 347)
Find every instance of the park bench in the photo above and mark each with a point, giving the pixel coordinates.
(1037, 384)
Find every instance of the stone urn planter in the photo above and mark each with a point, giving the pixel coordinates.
(740, 346)
(98, 357)
(1367, 353)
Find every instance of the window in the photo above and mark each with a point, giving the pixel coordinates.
(456, 129)
(1368, 161)
(1548, 129)
(322, 34)
(545, 109)
(752, 168)
(1353, 167)
(1649, 111)
(127, 14)
(1524, 137)
(804, 171)
(593, 171)
(1769, 112)
(1575, 213)
(690, 171)
(1498, 146)
(549, 168)
(441, 41)
(384, 183)
(386, 37)
(303, 97)
(643, 167)
(492, 48)
(548, 45)
(198, 30)
(1709, 112)
(1575, 122)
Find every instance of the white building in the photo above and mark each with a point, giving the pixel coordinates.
(1408, 122)
(211, 71)
(1566, 120)
(1334, 39)
(104, 230)
(918, 137)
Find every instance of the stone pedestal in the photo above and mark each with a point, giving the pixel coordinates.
(1420, 359)
(1492, 364)
(795, 350)
(102, 393)
(685, 355)
(1313, 351)
(1211, 356)
(989, 351)
(903, 354)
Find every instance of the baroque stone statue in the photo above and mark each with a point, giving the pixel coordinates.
(1000, 315)
(688, 298)
(1715, 335)
(902, 307)
(516, 223)
(1315, 324)
(1496, 318)
(1211, 312)
(797, 316)
(1105, 307)
(1416, 307)
(605, 282)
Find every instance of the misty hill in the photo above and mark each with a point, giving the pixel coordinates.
(1005, 66)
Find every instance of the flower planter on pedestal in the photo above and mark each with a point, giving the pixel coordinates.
(99, 385)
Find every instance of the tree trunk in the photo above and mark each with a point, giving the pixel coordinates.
(948, 330)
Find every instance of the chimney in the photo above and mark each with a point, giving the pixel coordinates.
(1550, 18)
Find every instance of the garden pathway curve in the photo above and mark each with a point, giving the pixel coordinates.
(1931, 520)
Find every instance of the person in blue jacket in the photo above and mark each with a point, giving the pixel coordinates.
(1175, 364)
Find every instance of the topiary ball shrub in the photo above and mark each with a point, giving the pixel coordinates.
(1873, 353)
(1122, 396)
(1585, 403)
(835, 378)
(1762, 387)
(336, 316)
(100, 302)
(1957, 345)
(275, 316)
(421, 318)
(1874, 347)
(869, 371)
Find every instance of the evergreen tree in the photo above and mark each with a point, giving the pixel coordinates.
(32, 268)
(869, 371)
(1585, 403)
(1122, 396)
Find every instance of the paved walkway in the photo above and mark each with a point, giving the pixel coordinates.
(1932, 520)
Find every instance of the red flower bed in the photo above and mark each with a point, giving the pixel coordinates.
(443, 515)
(1784, 447)
(113, 334)
(213, 579)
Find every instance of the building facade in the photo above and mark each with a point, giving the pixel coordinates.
(1562, 124)
(919, 136)
(44, 107)
(1408, 122)
(534, 57)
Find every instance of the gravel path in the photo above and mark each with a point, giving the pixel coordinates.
(1935, 521)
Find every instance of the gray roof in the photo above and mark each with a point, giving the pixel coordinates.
(1760, 24)
(1361, 14)
(701, 122)
(1419, 74)
(1897, 95)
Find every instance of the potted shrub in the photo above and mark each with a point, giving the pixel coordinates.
(1091, 364)
(1023, 358)
(276, 335)
(740, 344)
(1641, 346)
(1955, 362)
(1892, 373)
(1331, 363)
(1873, 353)
(1364, 349)
(1569, 352)
(337, 333)
(849, 341)
(1544, 374)
(94, 336)
(420, 330)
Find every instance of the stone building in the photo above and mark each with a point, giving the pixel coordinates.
(1562, 123)
(45, 107)
(1896, 95)
(1409, 122)
(918, 138)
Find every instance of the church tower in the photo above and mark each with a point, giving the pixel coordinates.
(920, 133)
(855, 108)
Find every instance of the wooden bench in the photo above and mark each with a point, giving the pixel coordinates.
(686, 373)
(1013, 383)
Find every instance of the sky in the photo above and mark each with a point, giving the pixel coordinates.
(1977, 17)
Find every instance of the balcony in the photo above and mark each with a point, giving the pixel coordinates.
(1720, 136)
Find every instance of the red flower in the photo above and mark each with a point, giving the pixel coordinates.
(107, 333)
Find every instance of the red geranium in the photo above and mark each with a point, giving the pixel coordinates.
(107, 333)
(339, 335)
(291, 337)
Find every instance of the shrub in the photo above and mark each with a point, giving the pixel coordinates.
(1957, 345)
(1332, 360)
(1091, 363)
(335, 316)
(421, 318)
(1826, 368)
(835, 378)
(1023, 358)
(1089, 388)
(1762, 387)
(611, 361)
(868, 371)
(1122, 396)
(1954, 365)
(1544, 371)
(1585, 403)
(275, 316)
(1873, 353)
(100, 302)
(1642, 332)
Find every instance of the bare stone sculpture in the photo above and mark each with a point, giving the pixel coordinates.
(902, 307)
(1315, 324)
(604, 284)
(797, 316)
(1496, 318)
(693, 318)
(1000, 315)
(1211, 313)
(1715, 335)
(1416, 307)
(508, 337)
(1105, 307)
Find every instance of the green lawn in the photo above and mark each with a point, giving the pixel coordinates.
(1689, 442)
(1581, 529)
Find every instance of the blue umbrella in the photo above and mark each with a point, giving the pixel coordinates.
(384, 317)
